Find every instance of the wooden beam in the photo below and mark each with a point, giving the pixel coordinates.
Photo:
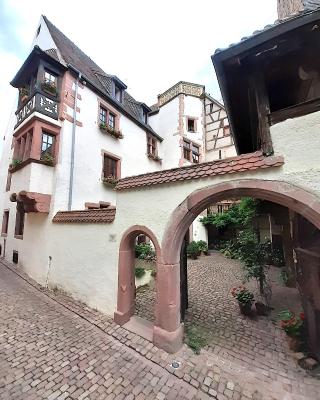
(295, 111)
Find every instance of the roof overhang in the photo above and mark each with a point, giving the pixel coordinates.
(259, 43)
(31, 64)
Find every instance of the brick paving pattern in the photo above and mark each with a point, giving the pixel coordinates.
(48, 352)
(72, 335)
(242, 348)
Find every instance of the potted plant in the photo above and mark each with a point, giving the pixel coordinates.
(15, 163)
(48, 159)
(49, 87)
(245, 298)
(292, 325)
(193, 250)
(24, 94)
(110, 181)
(113, 132)
(203, 247)
(154, 157)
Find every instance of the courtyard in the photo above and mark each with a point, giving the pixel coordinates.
(249, 348)
(54, 347)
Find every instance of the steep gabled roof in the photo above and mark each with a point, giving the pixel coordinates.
(72, 55)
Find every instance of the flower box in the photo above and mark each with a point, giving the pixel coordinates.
(49, 88)
(110, 181)
(105, 128)
(154, 157)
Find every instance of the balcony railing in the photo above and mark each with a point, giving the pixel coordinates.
(38, 102)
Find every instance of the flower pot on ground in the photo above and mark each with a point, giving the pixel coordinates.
(245, 308)
(245, 298)
(203, 247)
(293, 326)
(193, 250)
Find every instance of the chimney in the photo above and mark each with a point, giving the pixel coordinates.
(286, 8)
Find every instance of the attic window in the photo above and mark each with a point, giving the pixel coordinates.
(118, 93)
(191, 125)
(144, 116)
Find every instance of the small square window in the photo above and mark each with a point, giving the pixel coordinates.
(191, 125)
(50, 78)
(110, 167)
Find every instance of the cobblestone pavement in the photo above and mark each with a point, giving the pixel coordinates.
(50, 343)
(250, 351)
(49, 352)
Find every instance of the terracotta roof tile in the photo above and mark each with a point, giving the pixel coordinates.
(98, 216)
(245, 162)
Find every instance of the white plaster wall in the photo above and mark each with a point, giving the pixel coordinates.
(199, 230)
(193, 107)
(44, 39)
(226, 152)
(166, 123)
(132, 150)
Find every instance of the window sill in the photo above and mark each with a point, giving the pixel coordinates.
(111, 132)
(154, 157)
(4, 234)
(15, 168)
(111, 182)
(18, 237)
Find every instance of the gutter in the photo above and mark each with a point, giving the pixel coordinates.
(73, 137)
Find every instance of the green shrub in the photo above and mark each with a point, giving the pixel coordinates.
(144, 251)
(194, 339)
(202, 246)
(193, 250)
(139, 272)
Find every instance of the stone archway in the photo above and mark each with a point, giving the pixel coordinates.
(126, 284)
(168, 331)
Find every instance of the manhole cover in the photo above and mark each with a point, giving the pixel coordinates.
(175, 364)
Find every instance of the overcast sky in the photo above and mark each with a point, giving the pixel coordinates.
(149, 45)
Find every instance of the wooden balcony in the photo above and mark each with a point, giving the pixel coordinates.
(46, 104)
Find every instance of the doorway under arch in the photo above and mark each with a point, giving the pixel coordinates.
(168, 331)
(126, 271)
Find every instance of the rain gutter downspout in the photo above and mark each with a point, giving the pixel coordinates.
(73, 136)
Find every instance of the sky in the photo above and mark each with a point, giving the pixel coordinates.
(149, 45)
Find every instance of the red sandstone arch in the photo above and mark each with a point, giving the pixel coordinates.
(168, 330)
(126, 284)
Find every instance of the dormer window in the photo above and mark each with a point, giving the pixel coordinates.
(145, 116)
(118, 93)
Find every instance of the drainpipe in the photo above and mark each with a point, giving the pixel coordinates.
(73, 136)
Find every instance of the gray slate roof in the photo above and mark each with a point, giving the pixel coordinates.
(309, 6)
(71, 54)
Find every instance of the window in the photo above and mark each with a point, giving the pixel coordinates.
(220, 154)
(111, 167)
(5, 222)
(112, 120)
(191, 151)
(8, 184)
(19, 220)
(50, 79)
(118, 93)
(103, 115)
(144, 116)
(191, 124)
(47, 144)
(195, 153)
(151, 145)
(108, 119)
